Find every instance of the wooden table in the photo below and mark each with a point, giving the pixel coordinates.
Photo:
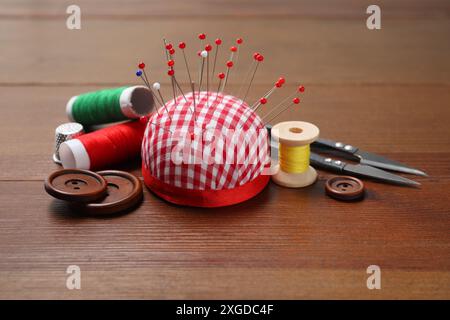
(386, 91)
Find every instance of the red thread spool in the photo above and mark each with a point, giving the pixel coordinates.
(105, 147)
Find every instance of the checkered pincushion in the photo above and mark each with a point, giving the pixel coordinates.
(209, 160)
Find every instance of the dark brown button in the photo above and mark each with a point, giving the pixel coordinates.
(344, 188)
(76, 185)
(124, 191)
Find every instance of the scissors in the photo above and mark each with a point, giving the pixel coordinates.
(370, 165)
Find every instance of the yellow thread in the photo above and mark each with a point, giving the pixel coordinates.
(294, 159)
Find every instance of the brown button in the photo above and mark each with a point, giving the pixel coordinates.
(344, 188)
(76, 185)
(124, 191)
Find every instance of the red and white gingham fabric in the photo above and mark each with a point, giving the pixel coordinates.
(216, 115)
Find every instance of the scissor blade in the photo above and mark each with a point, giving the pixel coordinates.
(375, 160)
(371, 172)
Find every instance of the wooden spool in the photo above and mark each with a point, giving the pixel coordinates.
(294, 134)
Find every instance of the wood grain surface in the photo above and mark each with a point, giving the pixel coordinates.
(386, 91)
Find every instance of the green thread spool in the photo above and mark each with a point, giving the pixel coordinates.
(110, 105)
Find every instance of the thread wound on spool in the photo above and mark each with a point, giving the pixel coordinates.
(105, 147)
(294, 159)
(110, 105)
(294, 139)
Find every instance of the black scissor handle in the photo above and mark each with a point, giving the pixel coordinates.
(326, 163)
(336, 145)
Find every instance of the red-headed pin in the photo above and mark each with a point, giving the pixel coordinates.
(296, 100)
(182, 46)
(221, 76)
(208, 48)
(218, 42)
(258, 58)
(239, 41)
(141, 67)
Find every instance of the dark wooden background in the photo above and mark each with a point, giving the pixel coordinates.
(386, 91)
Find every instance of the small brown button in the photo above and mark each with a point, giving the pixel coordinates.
(344, 188)
(124, 191)
(75, 185)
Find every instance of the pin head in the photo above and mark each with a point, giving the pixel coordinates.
(202, 36)
(301, 89)
(169, 46)
(239, 40)
(208, 47)
(141, 65)
(229, 64)
(218, 41)
(138, 73)
(233, 49)
(221, 75)
(280, 82)
(143, 119)
(170, 63)
(263, 100)
(296, 100)
(260, 58)
(156, 86)
(182, 45)
(171, 72)
(172, 51)
(255, 55)
(204, 54)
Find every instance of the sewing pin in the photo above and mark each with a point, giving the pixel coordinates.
(171, 73)
(168, 48)
(238, 43)
(258, 58)
(157, 87)
(202, 55)
(208, 48)
(139, 74)
(229, 65)
(300, 89)
(145, 80)
(296, 100)
(193, 93)
(182, 46)
(221, 76)
(218, 42)
(278, 84)
(263, 99)
(142, 67)
(202, 38)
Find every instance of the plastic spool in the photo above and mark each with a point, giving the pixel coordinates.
(110, 105)
(104, 148)
(294, 138)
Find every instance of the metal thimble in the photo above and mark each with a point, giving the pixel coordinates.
(64, 132)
